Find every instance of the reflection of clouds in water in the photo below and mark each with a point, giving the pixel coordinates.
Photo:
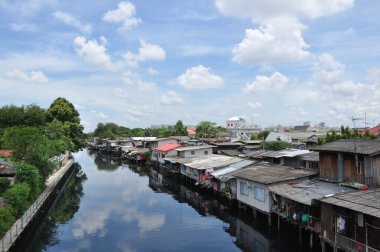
(94, 220)
(80, 246)
(125, 247)
(152, 202)
(146, 222)
(132, 193)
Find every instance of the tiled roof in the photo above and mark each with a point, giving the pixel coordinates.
(6, 153)
(168, 147)
(359, 146)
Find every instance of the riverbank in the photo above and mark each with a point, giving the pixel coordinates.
(18, 228)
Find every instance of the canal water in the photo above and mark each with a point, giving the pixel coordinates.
(110, 206)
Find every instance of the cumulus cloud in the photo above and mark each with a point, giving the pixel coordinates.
(93, 52)
(147, 51)
(279, 36)
(278, 40)
(262, 84)
(99, 115)
(254, 105)
(258, 9)
(32, 76)
(327, 69)
(146, 87)
(199, 77)
(119, 93)
(172, 98)
(72, 21)
(125, 14)
(152, 71)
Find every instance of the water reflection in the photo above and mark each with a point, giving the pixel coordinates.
(63, 210)
(124, 207)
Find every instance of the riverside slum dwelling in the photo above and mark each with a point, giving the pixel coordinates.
(351, 221)
(254, 182)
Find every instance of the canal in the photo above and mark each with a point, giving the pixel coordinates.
(109, 206)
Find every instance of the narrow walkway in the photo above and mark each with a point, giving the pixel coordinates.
(12, 235)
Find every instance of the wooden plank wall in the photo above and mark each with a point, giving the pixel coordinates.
(328, 165)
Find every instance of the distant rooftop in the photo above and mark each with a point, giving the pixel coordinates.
(359, 146)
(186, 148)
(168, 147)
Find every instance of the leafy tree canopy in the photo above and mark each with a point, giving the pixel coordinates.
(209, 129)
(18, 197)
(276, 145)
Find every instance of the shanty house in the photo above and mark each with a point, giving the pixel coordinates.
(352, 160)
(164, 151)
(254, 181)
(194, 151)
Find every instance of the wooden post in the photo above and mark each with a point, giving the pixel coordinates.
(300, 235)
(311, 239)
(269, 219)
(254, 212)
(323, 245)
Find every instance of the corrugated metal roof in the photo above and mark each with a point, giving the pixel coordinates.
(359, 146)
(206, 162)
(366, 202)
(307, 191)
(186, 148)
(231, 168)
(168, 147)
(266, 173)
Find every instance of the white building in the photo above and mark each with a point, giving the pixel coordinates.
(235, 122)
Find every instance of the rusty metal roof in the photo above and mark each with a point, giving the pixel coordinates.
(359, 146)
(265, 173)
(366, 202)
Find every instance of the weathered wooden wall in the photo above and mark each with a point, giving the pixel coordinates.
(328, 166)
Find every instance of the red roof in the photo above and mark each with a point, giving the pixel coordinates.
(6, 153)
(374, 131)
(191, 131)
(168, 147)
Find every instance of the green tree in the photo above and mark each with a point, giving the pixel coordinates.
(31, 146)
(260, 136)
(11, 115)
(6, 219)
(276, 145)
(30, 175)
(18, 197)
(179, 129)
(34, 115)
(206, 129)
(64, 111)
(4, 185)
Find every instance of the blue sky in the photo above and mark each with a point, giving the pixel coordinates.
(139, 63)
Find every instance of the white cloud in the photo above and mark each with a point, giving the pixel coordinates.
(172, 98)
(23, 27)
(119, 93)
(146, 87)
(33, 76)
(147, 51)
(152, 71)
(125, 14)
(199, 77)
(327, 69)
(99, 115)
(279, 40)
(77, 106)
(25, 8)
(262, 84)
(92, 52)
(254, 105)
(259, 9)
(72, 21)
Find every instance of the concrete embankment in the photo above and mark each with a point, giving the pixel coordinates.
(36, 211)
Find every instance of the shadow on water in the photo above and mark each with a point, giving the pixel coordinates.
(63, 210)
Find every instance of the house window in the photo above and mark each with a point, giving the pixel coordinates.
(244, 188)
(206, 152)
(192, 152)
(259, 194)
(163, 155)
